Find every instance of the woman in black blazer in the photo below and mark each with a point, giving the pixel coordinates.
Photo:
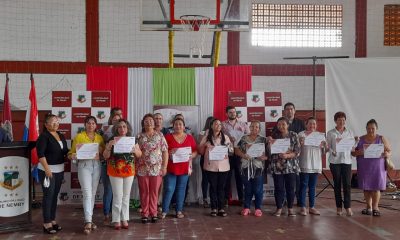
(52, 150)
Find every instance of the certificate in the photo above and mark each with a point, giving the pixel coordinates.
(124, 144)
(314, 139)
(280, 145)
(373, 150)
(87, 150)
(182, 155)
(344, 144)
(256, 150)
(237, 135)
(218, 153)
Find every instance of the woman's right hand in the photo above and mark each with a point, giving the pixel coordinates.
(48, 172)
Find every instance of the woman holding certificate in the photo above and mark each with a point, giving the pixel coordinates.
(120, 153)
(215, 147)
(371, 151)
(310, 162)
(182, 149)
(285, 149)
(252, 149)
(86, 148)
(340, 142)
(149, 167)
(51, 150)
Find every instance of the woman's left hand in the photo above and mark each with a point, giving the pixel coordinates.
(97, 157)
(263, 158)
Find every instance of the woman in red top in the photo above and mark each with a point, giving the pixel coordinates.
(182, 149)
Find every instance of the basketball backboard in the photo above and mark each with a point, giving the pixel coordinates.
(165, 15)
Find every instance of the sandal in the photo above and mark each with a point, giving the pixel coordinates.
(222, 213)
(125, 225)
(145, 220)
(213, 213)
(376, 213)
(154, 219)
(206, 204)
(303, 211)
(88, 228)
(277, 213)
(117, 226)
(291, 213)
(314, 211)
(49, 230)
(94, 226)
(258, 213)
(179, 215)
(163, 215)
(57, 227)
(366, 211)
(245, 212)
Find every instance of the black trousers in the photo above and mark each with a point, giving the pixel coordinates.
(204, 180)
(235, 163)
(50, 194)
(284, 183)
(217, 182)
(342, 178)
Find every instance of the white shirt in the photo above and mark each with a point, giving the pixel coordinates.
(342, 157)
(310, 160)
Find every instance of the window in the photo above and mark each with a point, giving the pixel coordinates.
(297, 25)
(392, 25)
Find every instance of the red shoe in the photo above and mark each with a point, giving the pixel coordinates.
(245, 212)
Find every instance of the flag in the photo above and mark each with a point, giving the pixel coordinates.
(6, 120)
(31, 129)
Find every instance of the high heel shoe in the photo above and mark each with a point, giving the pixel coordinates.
(57, 227)
(49, 230)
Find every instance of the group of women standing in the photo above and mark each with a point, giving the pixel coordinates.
(157, 159)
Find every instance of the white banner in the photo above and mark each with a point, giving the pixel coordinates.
(14, 186)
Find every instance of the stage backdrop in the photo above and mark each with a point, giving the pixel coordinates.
(365, 89)
(72, 108)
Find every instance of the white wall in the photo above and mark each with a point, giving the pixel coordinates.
(42, 30)
(20, 85)
(294, 89)
(273, 55)
(375, 29)
(122, 41)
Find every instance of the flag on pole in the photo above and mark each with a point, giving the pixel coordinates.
(6, 120)
(31, 129)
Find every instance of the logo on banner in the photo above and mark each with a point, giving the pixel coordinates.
(239, 114)
(100, 114)
(61, 114)
(11, 179)
(64, 196)
(81, 98)
(255, 98)
(274, 113)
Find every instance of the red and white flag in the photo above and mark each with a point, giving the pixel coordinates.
(31, 130)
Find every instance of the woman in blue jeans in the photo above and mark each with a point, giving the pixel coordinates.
(310, 163)
(252, 149)
(178, 169)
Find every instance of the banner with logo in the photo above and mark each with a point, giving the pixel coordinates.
(14, 186)
(72, 107)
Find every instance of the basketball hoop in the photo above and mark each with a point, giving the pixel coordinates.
(196, 23)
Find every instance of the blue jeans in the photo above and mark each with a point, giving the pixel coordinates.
(253, 186)
(107, 194)
(177, 184)
(308, 180)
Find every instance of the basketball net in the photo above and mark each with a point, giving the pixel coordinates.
(196, 23)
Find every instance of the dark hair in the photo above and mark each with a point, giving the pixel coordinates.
(288, 104)
(144, 117)
(372, 121)
(339, 115)
(207, 125)
(115, 128)
(178, 119)
(88, 118)
(310, 118)
(211, 133)
(229, 108)
(283, 119)
(256, 121)
(47, 118)
(113, 112)
(157, 113)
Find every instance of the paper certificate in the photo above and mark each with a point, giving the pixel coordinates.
(314, 139)
(256, 150)
(182, 155)
(280, 145)
(124, 144)
(373, 150)
(237, 135)
(344, 144)
(218, 153)
(87, 150)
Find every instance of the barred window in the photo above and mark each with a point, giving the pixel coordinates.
(392, 25)
(297, 25)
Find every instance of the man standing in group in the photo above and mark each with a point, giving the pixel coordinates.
(159, 123)
(295, 125)
(235, 129)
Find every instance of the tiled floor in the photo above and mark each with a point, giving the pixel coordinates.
(199, 225)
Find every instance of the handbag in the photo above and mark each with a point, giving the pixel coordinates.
(389, 164)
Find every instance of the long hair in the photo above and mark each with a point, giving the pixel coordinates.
(146, 116)
(115, 128)
(211, 133)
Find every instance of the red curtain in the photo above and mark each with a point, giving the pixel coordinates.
(114, 79)
(229, 78)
